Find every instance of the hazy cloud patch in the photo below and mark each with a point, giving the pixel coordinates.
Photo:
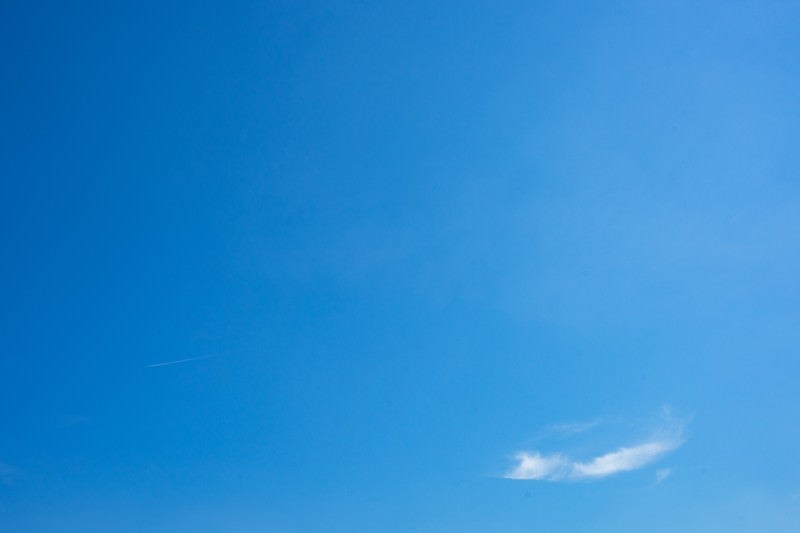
(662, 474)
(571, 428)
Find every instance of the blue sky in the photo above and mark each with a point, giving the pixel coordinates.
(515, 267)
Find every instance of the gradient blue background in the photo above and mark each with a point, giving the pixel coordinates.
(409, 235)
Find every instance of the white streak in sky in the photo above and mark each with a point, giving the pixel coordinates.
(177, 361)
(572, 428)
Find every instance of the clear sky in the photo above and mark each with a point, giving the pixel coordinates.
(400, 266)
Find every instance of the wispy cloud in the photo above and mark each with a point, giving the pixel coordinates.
(623, 459)
(178, 361)
(662, 474)
(571, 428)
(537, 466)
(560, 467)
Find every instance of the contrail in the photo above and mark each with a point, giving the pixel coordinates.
(154, 365)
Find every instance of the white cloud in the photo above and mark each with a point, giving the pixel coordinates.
(559, 467)
(537, 466)
(623, 460)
